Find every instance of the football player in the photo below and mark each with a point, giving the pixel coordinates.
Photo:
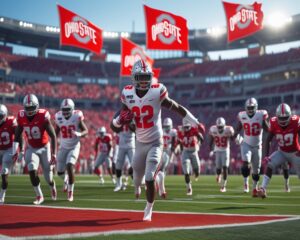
(126, 148)
(285, 127)
(142, 101)
(190, 139)
(220, 136)
(253, 122)
(71, 127)
(169, 138)
(36, 124)
(104, 145)
(8, 126)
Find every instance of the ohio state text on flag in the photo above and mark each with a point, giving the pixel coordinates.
(242, 20)
(79, 32)
(130, 53)
(165, 31)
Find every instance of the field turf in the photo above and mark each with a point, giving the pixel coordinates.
(206, 199)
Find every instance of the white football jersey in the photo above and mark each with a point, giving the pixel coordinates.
(146, 110)
(167, 136)
(126, 138)
(67, 139)
(221, 140)
(253, 126)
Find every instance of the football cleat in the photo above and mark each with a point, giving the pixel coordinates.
(101, 180)
(148, 213)
(1, 201)
(38, 200)
(113, 180)
(70, 196)
(287, 188)
(262, 193)
(246, 188)
(163, 195)
(189, 191)
(117, 188)
(254, 193)
(223, 189)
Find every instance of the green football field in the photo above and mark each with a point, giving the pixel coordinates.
(206, 199)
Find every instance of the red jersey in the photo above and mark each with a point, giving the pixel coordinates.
(287, 138)
(189, 139)
(35, 129)
(103, 143)
(7, 133)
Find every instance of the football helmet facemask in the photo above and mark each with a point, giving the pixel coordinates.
(31, 105)
(101, 131)
(67, 107)
(220, 124)
(251, 106)
(141, 75)
(283, 114)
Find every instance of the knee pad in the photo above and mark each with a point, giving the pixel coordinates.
(245, 171)
(130, 171)
(255, 177)
(61, 173)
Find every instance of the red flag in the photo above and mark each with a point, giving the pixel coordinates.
(242, 20)
(156, 73)
(79, 32)
(165, 31)
(130, 53)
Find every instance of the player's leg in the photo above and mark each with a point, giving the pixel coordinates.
(186, 162)
(218, 166)
(295, 160)
(108, 162)
(45, 156)
(72, 158)
(98, 163)
(61, 167)
(246, 157)
(195, 161)
(138, 166)
(130, 154)
(32, 161)
(276, 159)
(160, 178)
(119, 166)
(152, 163)
(6, 167)
(286, 176)
(225, 166)
(256, 165)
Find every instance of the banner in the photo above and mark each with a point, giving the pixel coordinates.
(156, 73)
(165, 31)
(242, 20)
(130, 53)
(78, 32)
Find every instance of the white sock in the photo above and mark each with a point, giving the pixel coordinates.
(71, 187)
(189, 186)
(38, 190)
(255, 184)
(287, 181)
(53, 186)
(224, 183)
(246, 180)
(2, 193)
(119, 181)
(162, 182)
(265, 182)
(149, 205)
(66, 179)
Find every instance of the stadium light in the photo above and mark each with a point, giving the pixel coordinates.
(215, 31)
(278, 20)
(2, 19)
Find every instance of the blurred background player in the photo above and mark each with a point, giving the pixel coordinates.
(8, 126)
(169, 138)
(104, 153)
(126, 149)
(285, 127)
(253, 122)
(36, 124)
(219, 136)
(190, 139)
(70, 126)
(143, 101)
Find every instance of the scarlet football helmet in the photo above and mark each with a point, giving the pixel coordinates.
(31, 105)
(168, 124)
(251, 106)
(220, 124)
(3, 113)
(141, 75)
(67, 107)
(283, 114)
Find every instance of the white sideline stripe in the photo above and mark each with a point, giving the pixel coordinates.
(141, 211)
(142, 231)
(176, 200)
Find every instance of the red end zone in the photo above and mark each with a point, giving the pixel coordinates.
(30, 221)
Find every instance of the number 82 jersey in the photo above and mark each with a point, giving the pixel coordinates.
(146, 110)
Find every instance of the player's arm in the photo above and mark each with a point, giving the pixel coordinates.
(51, 132)
(179, 109)
(109, 146)
(267, 143)
(132, 126)
(237, 129)
(83, 128)
(173, 143)
(57, 130)
(96, 146)
(266, 125)
(18, 142)
(210, 142)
